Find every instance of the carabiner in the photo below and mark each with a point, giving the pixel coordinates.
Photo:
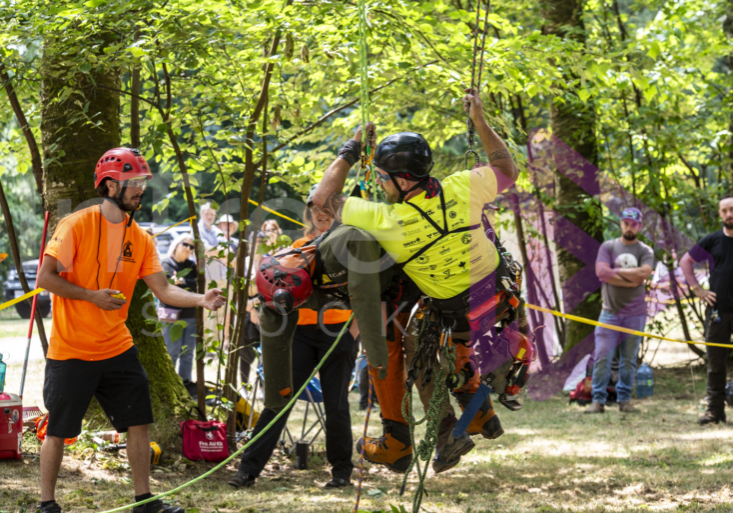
(465, 159)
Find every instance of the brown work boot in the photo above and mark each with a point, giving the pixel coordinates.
(449, 450)
(595, 407)
(486, 422)
(711, 417)
(627, 407)
(393, 449)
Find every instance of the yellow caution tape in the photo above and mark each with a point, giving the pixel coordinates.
(667, 301)
(619, 328)
(21, 298)
(174, 225)
(274, 212)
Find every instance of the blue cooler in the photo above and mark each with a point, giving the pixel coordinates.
(644, 381)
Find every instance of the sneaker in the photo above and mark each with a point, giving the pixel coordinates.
(338, 482)
(486, 422)
(711, 417)
(242, 480)
(393, 449)
(595, 407)
(50, 508)
(449, 450)
(157, 506)
(627, 407)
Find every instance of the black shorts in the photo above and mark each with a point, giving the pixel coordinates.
(120, 384)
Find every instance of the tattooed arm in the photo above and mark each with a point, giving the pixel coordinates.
(328, 196)
(499, 156)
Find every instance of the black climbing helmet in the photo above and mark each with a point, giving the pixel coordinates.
(405, 153)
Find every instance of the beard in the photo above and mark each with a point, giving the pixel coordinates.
(629, 236)
(728, 223)
(129, 204)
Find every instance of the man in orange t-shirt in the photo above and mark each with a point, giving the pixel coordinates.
(91, 266)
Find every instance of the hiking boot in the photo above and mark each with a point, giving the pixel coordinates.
(338, 482)
(393, 449)
(157, 506)
(449, 450)
(627, 407)
(242, 480)
(595, 407)
(711, 417)
(486, 422)
(50, 508)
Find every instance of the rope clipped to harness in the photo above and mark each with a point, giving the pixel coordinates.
(366, 427)
(436, 406)
(476, 80)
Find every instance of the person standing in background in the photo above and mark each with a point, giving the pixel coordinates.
(623, 264)
(717, 249)
(179, 267)
(209, 234)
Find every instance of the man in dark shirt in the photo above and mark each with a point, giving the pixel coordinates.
(717, 249)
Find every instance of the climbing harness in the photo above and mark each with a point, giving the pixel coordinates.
(476, 80)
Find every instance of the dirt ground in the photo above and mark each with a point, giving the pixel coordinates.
(551, 458)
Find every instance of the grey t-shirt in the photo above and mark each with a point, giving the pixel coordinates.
(621, 300)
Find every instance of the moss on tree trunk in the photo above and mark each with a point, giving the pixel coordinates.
(72, 145)
(573, 122)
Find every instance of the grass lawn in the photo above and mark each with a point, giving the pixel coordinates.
(551, 458)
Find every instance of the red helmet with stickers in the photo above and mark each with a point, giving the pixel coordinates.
(121, 164)
(284, 279)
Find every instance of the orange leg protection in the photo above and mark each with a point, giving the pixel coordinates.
(391, 390)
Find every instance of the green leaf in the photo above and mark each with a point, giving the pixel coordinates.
(583, 95)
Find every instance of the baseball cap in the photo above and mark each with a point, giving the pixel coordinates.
(631, 213)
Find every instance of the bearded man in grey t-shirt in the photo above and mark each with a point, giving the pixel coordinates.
(622, 265)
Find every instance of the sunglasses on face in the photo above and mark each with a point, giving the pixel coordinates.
(382, 177)
(632, 215)
(187, 245)
(137, 183)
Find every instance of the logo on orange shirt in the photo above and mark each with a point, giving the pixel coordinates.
(127, 252)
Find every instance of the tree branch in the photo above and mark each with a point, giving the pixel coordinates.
(19, 264)
(330, 113)
(36, 161)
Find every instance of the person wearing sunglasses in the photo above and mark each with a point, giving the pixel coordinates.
(181, 271)
(433, 230)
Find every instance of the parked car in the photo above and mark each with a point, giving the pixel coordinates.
(13, 289)
(163, 241)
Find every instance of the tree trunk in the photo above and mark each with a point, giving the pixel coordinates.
(573, 122)
(71, 148)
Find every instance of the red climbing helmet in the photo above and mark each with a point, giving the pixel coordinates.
(121, 164)
(285, 278)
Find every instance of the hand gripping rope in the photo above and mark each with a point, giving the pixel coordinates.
(476, 80)
(255, 438)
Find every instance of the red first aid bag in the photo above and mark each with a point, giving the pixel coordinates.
(204, 440)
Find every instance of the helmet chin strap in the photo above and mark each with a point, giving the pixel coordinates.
(117, 200)
(404, 193)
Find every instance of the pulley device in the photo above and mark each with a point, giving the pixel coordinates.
(476, 78)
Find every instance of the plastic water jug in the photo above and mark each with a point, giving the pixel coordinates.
(2, 374)
(644, 381)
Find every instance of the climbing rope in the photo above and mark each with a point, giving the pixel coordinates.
(434, 415)
(255, 438)
(476, 80)
(363, 445)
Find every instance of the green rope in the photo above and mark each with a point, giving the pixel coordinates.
(433, 416)
(364, 64)
(254, 439)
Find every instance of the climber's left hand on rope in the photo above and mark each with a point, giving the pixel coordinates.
(371, 137)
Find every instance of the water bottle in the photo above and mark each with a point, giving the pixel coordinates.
(2, 374)
(644, 381)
